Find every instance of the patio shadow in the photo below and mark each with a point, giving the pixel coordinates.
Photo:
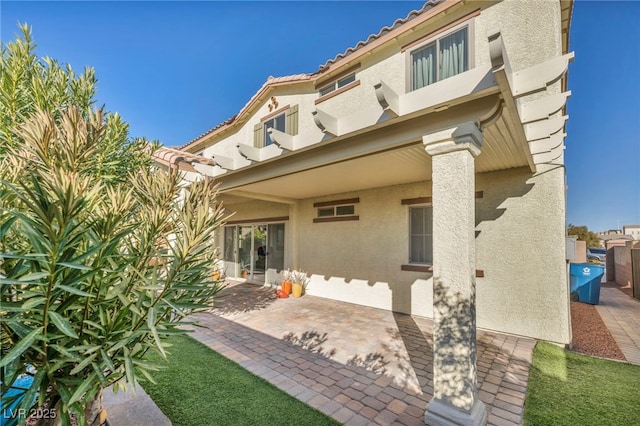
(419, 350)
(311, 341)
(243, 297)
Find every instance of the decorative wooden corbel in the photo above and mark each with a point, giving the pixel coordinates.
(544, 128)
(387, 98)
(283, 140)
(542, 108)
(550, 156)
(492, 116)
(325, 122)
(547, 144)
(538, 77)
(249, 152)
(226, 163)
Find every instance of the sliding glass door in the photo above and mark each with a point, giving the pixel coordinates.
(254, 251)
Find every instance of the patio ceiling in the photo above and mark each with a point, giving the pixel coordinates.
(406, 162)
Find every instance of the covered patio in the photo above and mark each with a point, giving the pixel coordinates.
(360, 365)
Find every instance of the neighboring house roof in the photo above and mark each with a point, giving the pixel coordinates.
(615, 237)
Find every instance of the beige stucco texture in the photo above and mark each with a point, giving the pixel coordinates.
(521, 286)
(523, 290)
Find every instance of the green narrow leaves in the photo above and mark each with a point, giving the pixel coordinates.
(21, 346)
(62, 324)
(107, 251)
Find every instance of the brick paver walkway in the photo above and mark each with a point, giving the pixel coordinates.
(621, 315)
(357, 364)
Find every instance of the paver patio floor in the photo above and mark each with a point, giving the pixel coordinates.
(359, 365)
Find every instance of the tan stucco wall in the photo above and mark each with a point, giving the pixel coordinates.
(539, 20)
(520, 219)
(251, 210)
(520, 248)
(366, 254)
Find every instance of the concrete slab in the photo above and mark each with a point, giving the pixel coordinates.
(132, 408)
(621, 315)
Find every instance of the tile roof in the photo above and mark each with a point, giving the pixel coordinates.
(271, 81)
(384, 30)
(171, 157)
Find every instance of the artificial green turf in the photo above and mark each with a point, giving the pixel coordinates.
(566, 388)
(201, 387)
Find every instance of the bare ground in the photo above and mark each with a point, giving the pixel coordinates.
(590, 335)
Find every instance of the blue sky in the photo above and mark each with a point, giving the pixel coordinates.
(176, 69)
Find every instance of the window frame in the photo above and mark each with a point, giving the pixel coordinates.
(324, 208)
(265, 134)
(410, 233)
(434, 38)
(337, 84)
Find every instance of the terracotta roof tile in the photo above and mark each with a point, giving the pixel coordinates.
(373, 37)
(172, 157)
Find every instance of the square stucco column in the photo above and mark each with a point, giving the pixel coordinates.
(455, 398)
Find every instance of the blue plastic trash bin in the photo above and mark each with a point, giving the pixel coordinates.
(10, 413)
(585, 281)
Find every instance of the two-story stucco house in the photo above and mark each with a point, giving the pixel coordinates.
(420, 171)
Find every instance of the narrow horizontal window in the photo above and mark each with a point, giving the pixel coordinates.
(325, 90)
(334, 213)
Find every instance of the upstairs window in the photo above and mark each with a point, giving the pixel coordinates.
(284, 119)
(335, 85)
(278, 122)
(440, 59)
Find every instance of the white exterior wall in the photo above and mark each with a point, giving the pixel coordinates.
(255, 210)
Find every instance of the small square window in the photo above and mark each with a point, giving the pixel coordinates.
(325, 212)
(327, 89)
(345, 210)
(344, 81)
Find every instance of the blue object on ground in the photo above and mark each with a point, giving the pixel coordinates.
(10, 414)
(584, 280)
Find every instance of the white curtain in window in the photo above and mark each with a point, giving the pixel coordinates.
(424, 67)
(453, 54)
